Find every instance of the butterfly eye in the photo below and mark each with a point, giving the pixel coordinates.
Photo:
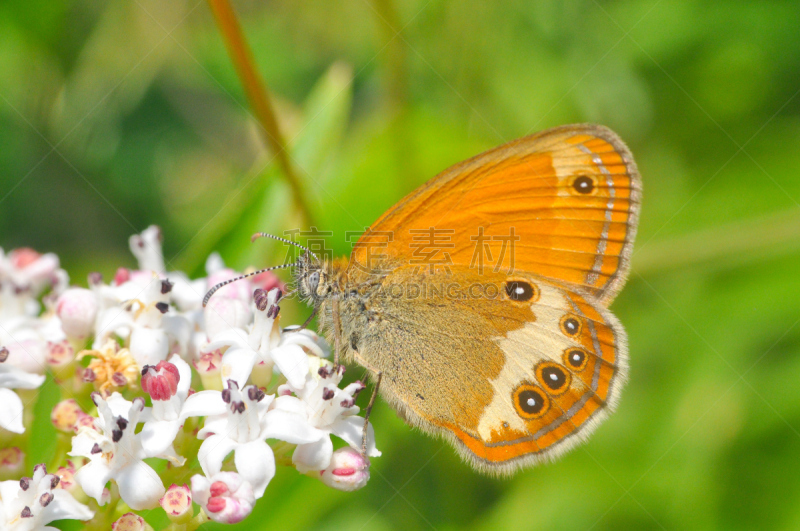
(518, 290)
(583, 184)
(575, 358)
(553, 377)
(530, 402)
(570, 325)
(313, 282)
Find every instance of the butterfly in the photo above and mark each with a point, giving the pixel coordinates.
(479, 302)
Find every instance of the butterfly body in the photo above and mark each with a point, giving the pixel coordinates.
(516, 358)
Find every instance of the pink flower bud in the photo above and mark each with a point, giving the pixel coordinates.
(177, 503)
(131, 522)
(224, 313)
(12, 462)
(267, 281)
(209, 362)
(85, 421)
(60, 354)
(33, 270)
(225, 497)
(122, 275)
(66, 476)
(66, 414)
(23, 257)
(348, 471)
(77, 309)
(208, 366)
(161, 381)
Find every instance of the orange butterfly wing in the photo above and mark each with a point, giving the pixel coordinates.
(562, 204)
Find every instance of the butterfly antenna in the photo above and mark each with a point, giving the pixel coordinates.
(225, 283)
(258, 235)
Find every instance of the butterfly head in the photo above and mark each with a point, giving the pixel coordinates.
(311, 276)
(319, 279)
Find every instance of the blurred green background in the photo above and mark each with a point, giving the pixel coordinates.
(118, 114)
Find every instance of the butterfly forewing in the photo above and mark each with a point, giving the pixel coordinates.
(567, 198)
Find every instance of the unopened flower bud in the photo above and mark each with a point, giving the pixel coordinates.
(122, 275)
(66, 414)
(267, 280)
(77, 309)
(209, 366)
(60, 353)
(225, 497)
(160, 381)
(12, 462)
(66, 476)
(177, 503)
(131, 522)
(23, 257)
(348, 471)
(224, 313)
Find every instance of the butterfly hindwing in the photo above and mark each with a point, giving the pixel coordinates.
(510, 381)
(561, 377)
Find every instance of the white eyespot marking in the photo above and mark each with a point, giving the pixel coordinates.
(519, 290)
(531, 402)
(553, 377)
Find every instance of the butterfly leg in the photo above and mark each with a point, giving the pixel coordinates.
(378, 376)
(337, 332)
(306, 323)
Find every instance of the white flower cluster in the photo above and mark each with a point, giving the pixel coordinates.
(146, 335)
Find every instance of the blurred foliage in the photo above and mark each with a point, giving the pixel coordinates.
(116, 114)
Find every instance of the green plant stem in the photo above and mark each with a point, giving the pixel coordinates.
(257, 95)
(390, 25)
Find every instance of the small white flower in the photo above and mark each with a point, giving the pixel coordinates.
(168, 387)
(229, 308)
(225, 497)
(29, 271)
(267, 344)
(27, 338)
(329, 409)
(31, 503)
(242, 429)
(115, 452)
(13, 378)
